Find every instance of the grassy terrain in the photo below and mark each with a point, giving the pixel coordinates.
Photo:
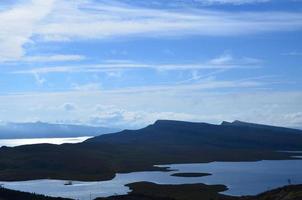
(102, 162)
(190, 174)
(151, 191)
(175, 192)
(178, 192)
(6, 194)
(291, 192)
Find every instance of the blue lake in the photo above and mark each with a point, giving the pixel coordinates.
(242, 178)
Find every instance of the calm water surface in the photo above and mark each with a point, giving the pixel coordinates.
(242, 178)
(18, 142)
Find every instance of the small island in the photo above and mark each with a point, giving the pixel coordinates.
(191, 174)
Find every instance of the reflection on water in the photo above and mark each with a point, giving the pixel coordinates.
(18, 142)
(296, 156)
(291, 151)
(248, 178)
(242, 178)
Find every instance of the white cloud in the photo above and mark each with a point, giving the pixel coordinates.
(295, 118)
(113, 116)
(203, 85)
(175, 3)
(86, 87)
(113, 67)
(292, 53)
(17, 25)
(100, 20)
(234, 2)
(53, 58)
(31, 21)
(39, 79)
(227, 59)
(136, 109)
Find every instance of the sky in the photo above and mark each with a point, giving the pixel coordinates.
(127, 63)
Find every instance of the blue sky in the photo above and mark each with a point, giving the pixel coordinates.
(127, 63)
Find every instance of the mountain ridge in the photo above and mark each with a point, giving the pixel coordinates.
(257, 125)
(237, 135)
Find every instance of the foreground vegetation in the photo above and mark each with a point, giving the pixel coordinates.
(6, 194)
(181, 192)
(151, 191)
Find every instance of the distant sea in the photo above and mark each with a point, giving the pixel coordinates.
(18, 142)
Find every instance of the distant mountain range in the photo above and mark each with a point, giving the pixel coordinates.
(227, 135)
(46, 130)
(163, 142)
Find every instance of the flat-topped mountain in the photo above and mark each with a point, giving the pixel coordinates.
(47, 130)
(227, 135)
(260, 126)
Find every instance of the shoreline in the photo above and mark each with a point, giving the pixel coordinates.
(152, 191)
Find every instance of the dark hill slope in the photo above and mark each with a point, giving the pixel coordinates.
(262, 126)
(6, 194)
(231, 135)
(151, 191)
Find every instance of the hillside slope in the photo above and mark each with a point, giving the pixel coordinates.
(6, 194)
(230, 135)
(151, 191)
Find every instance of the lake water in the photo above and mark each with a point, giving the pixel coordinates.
(242, 178)
(18, 142)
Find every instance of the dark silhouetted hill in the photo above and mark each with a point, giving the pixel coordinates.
(227, 135)
(6, 194)
(152, 191)
(261, 126)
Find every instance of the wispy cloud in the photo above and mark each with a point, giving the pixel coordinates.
(31, 21)
(39, 80)
(106, 108)
(292, 53)
(186, 3)
(200, 85)
(100, 20)
(86, 87)
(234, 2)
(18, 25)
(53, 58)
(226, 61)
